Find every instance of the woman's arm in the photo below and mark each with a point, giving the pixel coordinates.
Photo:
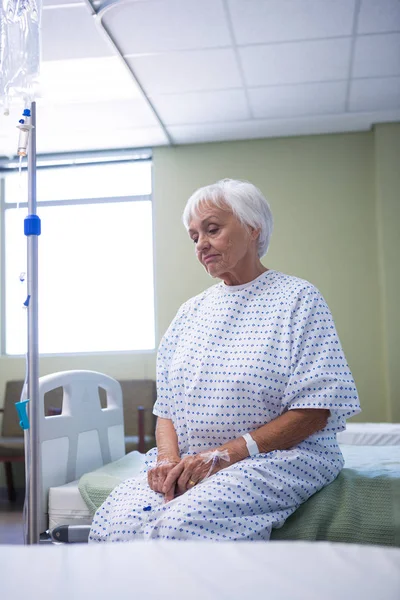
(282, 433)
(167, 456)
(167, 440)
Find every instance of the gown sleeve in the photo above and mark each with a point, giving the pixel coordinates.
(166, 350)
(319, 374)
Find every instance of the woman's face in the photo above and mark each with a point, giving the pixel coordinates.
(224, 246)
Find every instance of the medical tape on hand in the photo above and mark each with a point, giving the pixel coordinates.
(214, 457)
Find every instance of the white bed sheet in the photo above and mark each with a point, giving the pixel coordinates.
(372, 460)
(199, 570)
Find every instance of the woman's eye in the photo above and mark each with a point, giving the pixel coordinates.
(194, 240)
(212, 231)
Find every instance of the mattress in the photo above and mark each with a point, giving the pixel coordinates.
(199, 570)
(67, 507)
(370, 434)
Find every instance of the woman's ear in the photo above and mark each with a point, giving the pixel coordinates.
(254, 233)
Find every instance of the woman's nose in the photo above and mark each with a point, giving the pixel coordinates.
(202, 243)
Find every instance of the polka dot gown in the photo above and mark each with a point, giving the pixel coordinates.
(233, 359)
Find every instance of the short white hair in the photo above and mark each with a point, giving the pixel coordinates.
(245, 201)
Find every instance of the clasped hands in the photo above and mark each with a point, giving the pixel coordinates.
(174, 477)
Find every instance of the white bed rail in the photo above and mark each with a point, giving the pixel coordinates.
(84, 436)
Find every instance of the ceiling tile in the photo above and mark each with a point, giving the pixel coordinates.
(298, 100)
(263, 21)
(201, 107)
(159, 26)
(71, 32)
(257, 129)
(187, 71)
(377, 55)
(375, 94)
(296, 62)
(378, 16)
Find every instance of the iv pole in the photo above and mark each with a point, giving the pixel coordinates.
(32, 231)
(20, 29)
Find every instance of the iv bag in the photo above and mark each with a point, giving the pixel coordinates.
(19, 49)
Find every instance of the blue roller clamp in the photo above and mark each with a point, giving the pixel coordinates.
(32, 225)
(22, 413)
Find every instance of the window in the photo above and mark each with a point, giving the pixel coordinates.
(96, 291)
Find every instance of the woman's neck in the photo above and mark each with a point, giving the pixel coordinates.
(241, 277)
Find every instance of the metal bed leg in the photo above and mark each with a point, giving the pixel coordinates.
(12, 496)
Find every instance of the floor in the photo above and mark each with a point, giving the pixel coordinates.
(11, 531)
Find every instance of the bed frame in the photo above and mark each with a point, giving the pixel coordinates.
(83, 437)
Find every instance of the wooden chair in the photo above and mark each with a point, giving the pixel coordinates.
(139, 396)
(12, 436)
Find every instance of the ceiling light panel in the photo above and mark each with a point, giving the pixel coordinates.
(379, 16)
(160, 26)
(375, 94)
(99, 139)
(86, 80)
(377, 55)
(266, 21)
(71, 32)
(297, 62)
(298, 100)
(103, 115)
(49, 4)
(187, 71)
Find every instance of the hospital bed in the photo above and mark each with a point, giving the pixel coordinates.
(83, 459)
(85, 441)
(199, 571)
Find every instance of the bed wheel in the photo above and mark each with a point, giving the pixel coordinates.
(71, 534)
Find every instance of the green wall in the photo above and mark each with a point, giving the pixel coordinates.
(387, 158)
(335, 200)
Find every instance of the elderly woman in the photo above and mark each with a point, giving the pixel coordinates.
(253, 386)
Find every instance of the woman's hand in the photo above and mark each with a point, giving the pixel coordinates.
(157, 475)
(190, 471)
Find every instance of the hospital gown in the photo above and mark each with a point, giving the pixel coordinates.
(233, 359)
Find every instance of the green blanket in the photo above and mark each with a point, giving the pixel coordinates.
(361, 506)
(96, 486)
(354, 508)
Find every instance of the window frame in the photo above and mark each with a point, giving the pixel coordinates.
(53, 162)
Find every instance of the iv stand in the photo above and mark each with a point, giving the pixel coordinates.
(32, 231)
